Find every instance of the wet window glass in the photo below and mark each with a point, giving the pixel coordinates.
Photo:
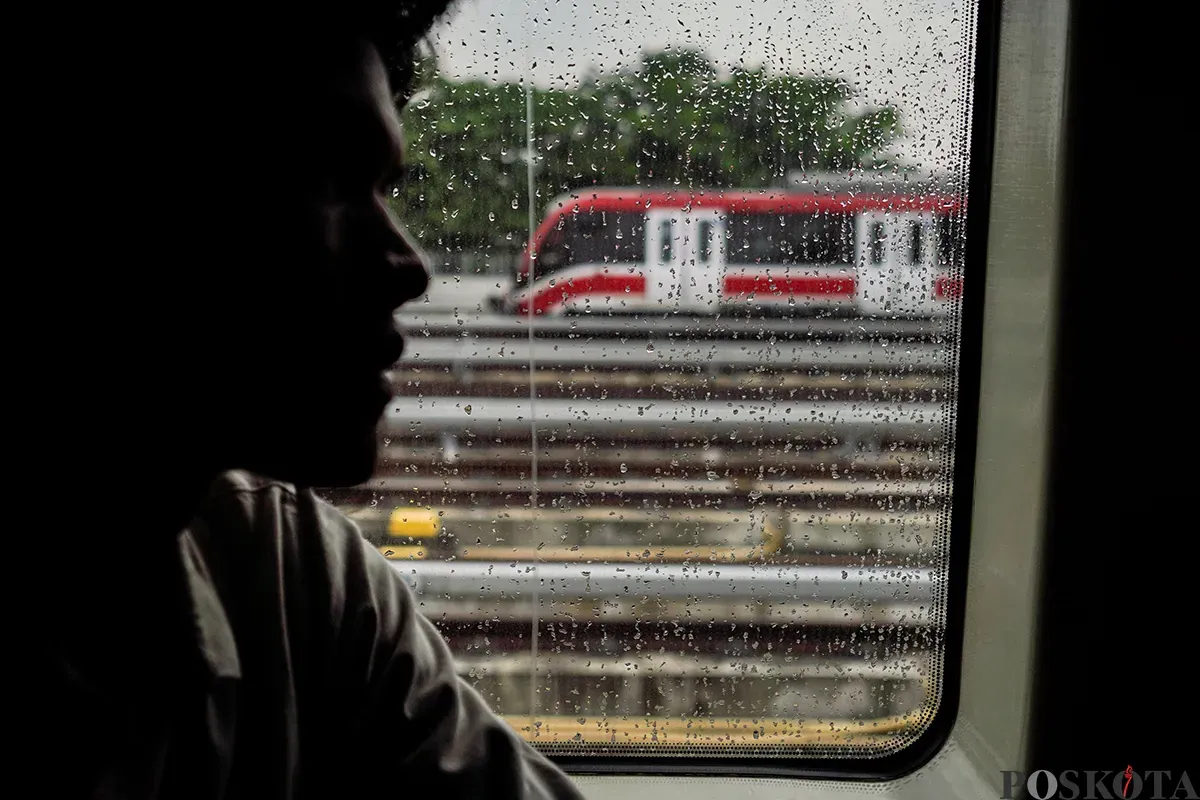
(669, 461)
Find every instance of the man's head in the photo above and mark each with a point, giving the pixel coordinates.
(277, 326)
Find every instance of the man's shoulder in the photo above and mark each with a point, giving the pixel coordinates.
(235, 482)
(261, 505)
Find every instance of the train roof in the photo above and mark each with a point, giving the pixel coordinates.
(766, 200)
(800, 185)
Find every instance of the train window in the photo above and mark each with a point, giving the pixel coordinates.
(605, 238)
(916, 242)
(705, 239)
(685, 501)
(592, 239)
(794, 238)
(666, 240)
(624, 240)
(949, 241)
(878, 242)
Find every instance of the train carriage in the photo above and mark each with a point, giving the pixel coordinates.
(620, 251)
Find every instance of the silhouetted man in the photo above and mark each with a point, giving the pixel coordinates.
(226, 633)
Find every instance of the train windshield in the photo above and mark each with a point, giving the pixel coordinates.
(591, 237)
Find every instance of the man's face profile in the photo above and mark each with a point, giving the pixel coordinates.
(313, 269)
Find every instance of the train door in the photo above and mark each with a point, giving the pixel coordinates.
(685, 254)
(896, 254)
(664, 281)
(704, 260)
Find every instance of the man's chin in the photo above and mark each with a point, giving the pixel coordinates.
(343, 462)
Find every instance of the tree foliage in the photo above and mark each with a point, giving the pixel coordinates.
(669, 121)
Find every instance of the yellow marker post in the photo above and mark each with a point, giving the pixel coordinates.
(418, 523)
(413, 528)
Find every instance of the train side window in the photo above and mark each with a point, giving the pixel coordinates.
(916, 242)
(791, 238)
(666, 241)
(949, 242)
(604, 238)
(738, 239)
(877, 242)
(821, 238)
(625, 242)
(704, 248)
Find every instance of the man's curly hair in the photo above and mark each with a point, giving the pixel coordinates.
(297, 44)
(396, 29)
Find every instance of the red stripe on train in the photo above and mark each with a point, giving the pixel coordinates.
(603, 283)
(947, 287)
(810, 285)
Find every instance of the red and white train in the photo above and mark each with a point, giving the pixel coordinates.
(794, 252)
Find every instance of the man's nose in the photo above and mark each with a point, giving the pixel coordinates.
(411, 268)
(408, 268)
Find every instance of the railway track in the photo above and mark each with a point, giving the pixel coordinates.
(675, 533)
(899, 496)
(701, 735)
(667, 685)
(664, 581)
(730, 384)
(462, 457)
(471, 323)
(763, 537)
(864, 394)
(679, 418)
(681, 680)
(695, 354)
(692, 645)
(471, 559)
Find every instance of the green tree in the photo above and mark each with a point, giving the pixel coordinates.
(670, 121)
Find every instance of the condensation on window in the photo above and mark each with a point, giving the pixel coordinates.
(669, 462)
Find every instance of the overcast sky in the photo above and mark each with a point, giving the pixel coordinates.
(909, 53)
